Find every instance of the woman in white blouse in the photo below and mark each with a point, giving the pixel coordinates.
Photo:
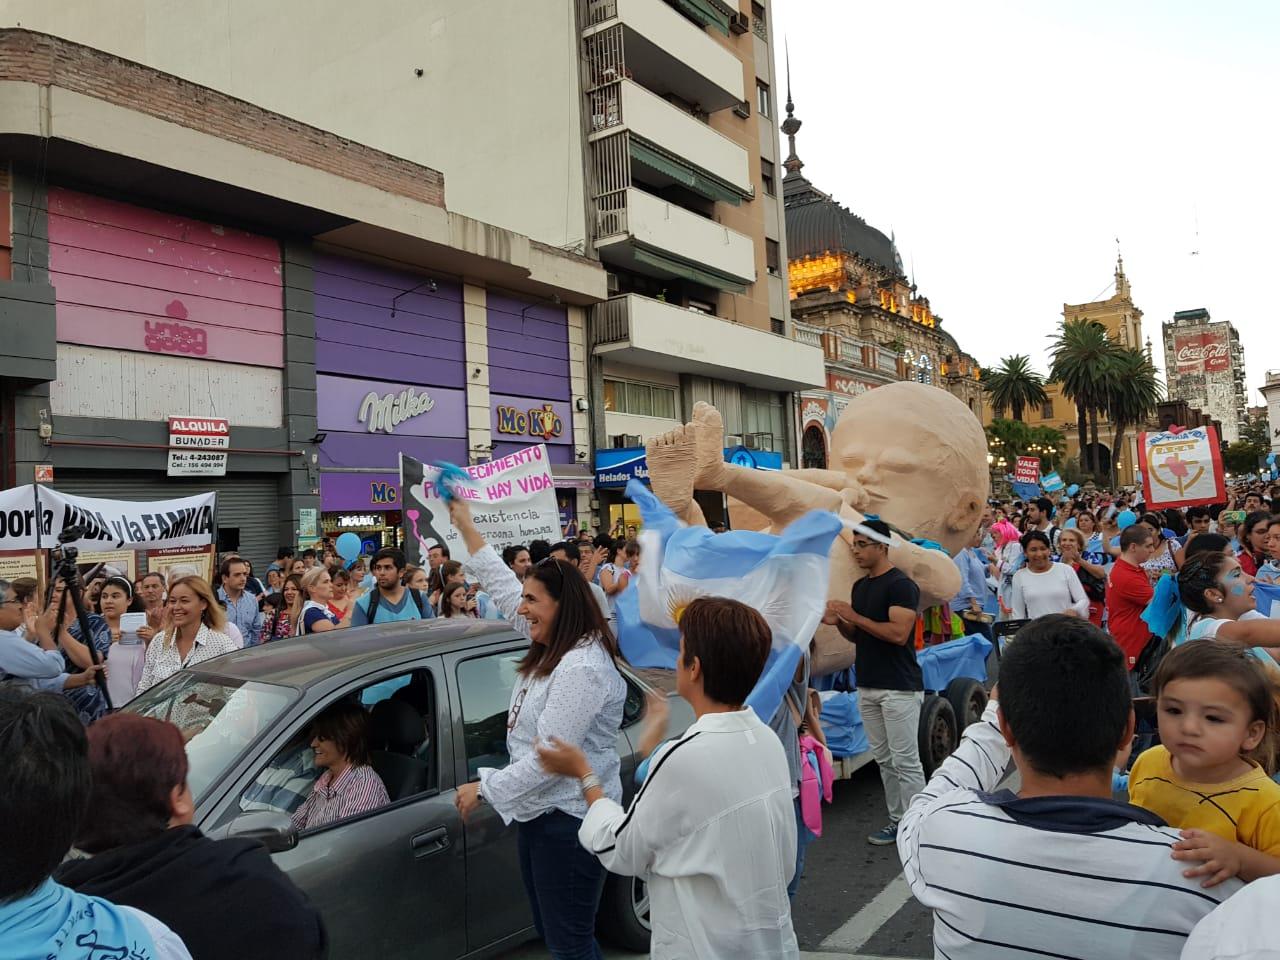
(196, 632)
(1042, 586)
(569, 688)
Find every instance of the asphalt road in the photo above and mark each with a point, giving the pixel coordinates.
(852, 902)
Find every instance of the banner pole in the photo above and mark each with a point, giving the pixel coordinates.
(35, 496)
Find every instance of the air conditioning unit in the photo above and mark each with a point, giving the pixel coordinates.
(732, 441)
(759, 441)
(740, 23)
(612, 284)
(632, 440)
(743, 109)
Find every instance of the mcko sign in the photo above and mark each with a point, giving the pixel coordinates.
(385, 413)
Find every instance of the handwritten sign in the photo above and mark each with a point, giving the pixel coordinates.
(1181, 467)
(512, 499)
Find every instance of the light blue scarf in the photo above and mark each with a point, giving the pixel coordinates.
(55, 921)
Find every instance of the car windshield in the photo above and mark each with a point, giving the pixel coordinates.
(218, 718)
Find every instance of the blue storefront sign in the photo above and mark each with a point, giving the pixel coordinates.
(616, 468)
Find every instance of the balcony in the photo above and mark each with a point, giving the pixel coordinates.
(637, 231)
(650, 333)
(648, 41)
(668, 146)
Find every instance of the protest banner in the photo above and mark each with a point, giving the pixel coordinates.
(94, 564)
(17, 564)
(1181, 467)
(512, 498)
(33, 516)
(198, 561)
(1027, 470)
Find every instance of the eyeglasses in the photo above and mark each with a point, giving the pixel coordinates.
(515, 707)
(554, 563)
(863, 544)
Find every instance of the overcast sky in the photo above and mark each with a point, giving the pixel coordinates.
(1008, 145)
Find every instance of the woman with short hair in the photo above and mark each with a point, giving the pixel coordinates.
(349, 786)
(568, 687)
(1043, 587)
(197, 632)
(144, 852)
(316, 615)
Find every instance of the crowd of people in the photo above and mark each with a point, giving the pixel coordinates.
(1136, 704)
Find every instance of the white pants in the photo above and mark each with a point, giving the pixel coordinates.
(891, 719)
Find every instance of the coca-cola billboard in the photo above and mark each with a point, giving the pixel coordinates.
(1202, 352)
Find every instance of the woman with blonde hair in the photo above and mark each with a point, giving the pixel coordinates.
(197, 632)
(317, 586)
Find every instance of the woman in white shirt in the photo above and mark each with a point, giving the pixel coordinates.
(196, 634)
(1042, 586)
(712, 830)
(568, 687)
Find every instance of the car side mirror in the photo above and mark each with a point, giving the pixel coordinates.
(273, 830)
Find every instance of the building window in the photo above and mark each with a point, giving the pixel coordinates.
(762, 99)
(1046, 410)
(640, 399)
(771, 256)
(766, 177)
(758, 25)
(778, 326)
(923, 369)
(763, 419)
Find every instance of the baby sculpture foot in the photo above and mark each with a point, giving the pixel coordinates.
(688, 458)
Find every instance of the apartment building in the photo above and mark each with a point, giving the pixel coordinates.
(639, 135)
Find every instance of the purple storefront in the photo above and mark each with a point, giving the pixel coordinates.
(389, 378)
(389, 383)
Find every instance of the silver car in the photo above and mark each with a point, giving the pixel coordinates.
(409, 879)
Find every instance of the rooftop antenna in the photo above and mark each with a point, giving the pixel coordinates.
(1196, 212)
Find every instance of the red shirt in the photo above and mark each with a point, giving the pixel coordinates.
(1128, 593)
(1247, 563)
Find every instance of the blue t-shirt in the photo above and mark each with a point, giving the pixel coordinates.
(311, 615)
(389, 612)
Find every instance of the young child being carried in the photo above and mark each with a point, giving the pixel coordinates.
(1209, 777)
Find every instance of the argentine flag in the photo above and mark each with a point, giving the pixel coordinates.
(783, 577)
(1266, 597)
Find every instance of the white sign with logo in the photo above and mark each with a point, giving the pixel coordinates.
(512, 499)
(198, 446)
(385, 413)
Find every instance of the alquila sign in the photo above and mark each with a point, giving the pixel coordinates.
(382, 413)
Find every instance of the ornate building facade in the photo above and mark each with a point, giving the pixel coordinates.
(1123, 322)
(851, 296)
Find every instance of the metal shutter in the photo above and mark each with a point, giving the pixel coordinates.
(249, 503)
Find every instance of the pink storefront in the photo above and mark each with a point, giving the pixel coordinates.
(164, 315)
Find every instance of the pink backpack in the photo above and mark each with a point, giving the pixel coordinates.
(816, 776)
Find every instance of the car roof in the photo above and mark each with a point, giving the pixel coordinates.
(305, 661)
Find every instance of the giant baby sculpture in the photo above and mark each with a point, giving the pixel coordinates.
(910, 453)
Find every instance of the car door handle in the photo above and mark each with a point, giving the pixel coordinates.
(433, 841)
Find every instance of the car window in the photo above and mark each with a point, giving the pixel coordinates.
(485, 684)
(400, 712)
(633, 707)
(219, 719)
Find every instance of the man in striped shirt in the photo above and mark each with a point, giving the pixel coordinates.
(1060, 869)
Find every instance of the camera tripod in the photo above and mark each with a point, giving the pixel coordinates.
(65, 569)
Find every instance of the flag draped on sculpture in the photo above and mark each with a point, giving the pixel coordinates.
(784, 577)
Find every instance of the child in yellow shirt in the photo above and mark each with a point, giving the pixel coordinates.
(1215, 711)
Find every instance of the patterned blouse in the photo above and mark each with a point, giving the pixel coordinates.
(89, 702)
(277, 628)
(164, 660)
(356, 790)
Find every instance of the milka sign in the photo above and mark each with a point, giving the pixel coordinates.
(385, 413)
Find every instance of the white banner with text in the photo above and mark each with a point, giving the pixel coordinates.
(34, 515)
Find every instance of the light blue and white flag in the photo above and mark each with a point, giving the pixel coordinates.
(784, 577)
(1266, 596)
(1051, 482)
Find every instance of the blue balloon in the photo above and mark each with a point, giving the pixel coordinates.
(348, 547)
(1124, 519)
(1073, 490)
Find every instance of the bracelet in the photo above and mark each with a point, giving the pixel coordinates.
(590, 781)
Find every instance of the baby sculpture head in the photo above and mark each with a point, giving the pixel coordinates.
(916, 456)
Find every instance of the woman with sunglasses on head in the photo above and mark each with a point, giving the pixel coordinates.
(568, 687)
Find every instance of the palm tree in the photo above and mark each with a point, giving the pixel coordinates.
(1014, 385)
(1133, 391)
(1080, 356)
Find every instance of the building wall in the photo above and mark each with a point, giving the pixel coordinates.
(1204, 365)
(361, 349)
(495, 109)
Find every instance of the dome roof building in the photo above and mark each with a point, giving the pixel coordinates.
(851, 296)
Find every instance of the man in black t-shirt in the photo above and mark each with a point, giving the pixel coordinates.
(881, 620)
